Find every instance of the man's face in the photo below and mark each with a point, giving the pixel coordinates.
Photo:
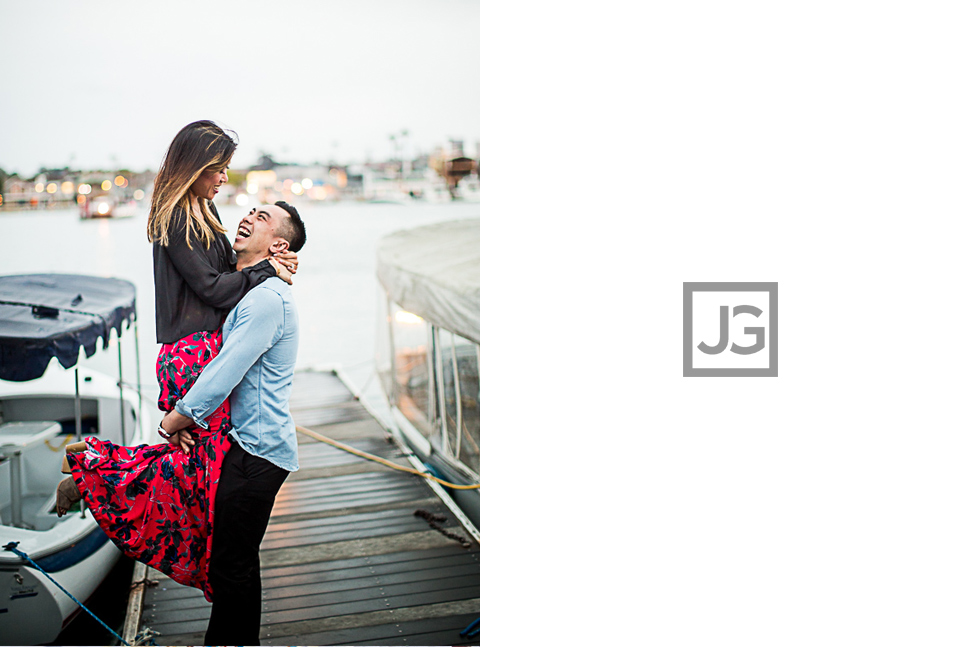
(257, 230)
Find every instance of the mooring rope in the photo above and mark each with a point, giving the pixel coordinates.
(387, 463)
(68, 438)
(472, 629)
(12, 546)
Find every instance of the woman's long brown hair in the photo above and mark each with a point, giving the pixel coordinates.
(199, 147)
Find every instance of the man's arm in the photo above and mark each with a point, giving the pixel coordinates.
(258, 325)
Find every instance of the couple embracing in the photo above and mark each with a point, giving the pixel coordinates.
(197, 507)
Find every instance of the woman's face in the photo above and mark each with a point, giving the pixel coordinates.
(207, 186)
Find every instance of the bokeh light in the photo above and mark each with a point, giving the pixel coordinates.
(402, 316)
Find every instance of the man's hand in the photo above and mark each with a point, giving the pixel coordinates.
(176, 424)
(182, 440)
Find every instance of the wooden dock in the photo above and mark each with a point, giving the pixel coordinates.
(345, 560)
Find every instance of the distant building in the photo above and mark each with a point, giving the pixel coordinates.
(443, 175)
(62, 187)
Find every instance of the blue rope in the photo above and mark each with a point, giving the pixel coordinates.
(12, 546)
(471, 630)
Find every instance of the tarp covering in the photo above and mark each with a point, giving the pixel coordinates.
(433, 272)
(54, 315)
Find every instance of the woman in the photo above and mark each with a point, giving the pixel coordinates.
(155, 502)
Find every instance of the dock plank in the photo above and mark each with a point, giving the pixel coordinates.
(414, 632)
(345, 561)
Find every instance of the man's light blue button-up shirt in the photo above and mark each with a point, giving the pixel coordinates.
(255, 366)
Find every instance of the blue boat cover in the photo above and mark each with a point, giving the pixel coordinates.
(55, 315)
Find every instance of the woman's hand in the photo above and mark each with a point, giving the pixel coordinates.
(288, 260)
(281, 271)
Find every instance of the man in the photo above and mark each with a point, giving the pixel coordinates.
(255, 370)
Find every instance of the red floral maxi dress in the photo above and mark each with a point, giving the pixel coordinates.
(154, 502)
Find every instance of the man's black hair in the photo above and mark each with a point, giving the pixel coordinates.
(293, 231)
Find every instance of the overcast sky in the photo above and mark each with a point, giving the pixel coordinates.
(93, 84)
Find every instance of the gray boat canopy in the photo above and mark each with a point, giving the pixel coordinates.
(55, 315)
(433, 272)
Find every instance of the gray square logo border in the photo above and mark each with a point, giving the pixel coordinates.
(772, 290)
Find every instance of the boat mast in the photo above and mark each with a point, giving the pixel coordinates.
(138, 371)
(77, 413)
(458, 420)
(121, 391)
(440, 389)
(77, 403)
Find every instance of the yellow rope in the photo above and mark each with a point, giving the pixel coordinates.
(68, 438)
(378, 459)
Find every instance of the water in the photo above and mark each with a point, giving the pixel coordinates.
(109, 602)
(335, 289)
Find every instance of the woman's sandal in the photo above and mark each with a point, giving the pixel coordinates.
(73, 448)
(67, 495)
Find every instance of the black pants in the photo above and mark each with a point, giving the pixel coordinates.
(244, 501)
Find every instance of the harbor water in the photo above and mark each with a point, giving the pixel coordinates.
(336, 291)
(335, 286)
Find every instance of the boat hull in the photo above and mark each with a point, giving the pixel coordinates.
(73, 549)
(33, 610)
(470, 501)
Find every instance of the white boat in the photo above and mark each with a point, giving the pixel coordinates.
(107, 206)
(429, 349)
(41, 409)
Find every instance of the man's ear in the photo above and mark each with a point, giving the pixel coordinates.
(279, 246)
